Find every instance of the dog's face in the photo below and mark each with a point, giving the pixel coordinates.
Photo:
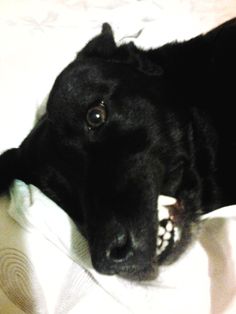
(106, 148)
(102, 116)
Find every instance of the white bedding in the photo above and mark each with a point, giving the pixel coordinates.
(45, 266)
(38, 38)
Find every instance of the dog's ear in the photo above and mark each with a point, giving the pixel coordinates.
(26, 161)
(102, 46)
(9, 166)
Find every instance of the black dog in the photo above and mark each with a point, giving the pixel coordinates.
(124, 125)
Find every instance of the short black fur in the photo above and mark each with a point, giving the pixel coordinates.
(170, 129)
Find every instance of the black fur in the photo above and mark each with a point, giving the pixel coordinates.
(170, 129)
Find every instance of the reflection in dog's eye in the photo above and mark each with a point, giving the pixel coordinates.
(96, 116)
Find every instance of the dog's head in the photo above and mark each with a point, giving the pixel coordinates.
(109, 143)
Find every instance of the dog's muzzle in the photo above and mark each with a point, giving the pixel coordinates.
(131, 256)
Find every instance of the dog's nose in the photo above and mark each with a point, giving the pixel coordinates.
(120, 248)
(119, 252)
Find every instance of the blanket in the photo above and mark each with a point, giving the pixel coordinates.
(45, 266)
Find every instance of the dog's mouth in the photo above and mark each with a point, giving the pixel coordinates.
(169, 234)
(174, 234)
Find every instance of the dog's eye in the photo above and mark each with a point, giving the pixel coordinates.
(96, 116)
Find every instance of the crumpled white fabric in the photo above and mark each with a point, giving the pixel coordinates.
(202, 281)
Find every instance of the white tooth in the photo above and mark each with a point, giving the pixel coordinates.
(169, 226)
(164, 200)
(161, 231)
(167, 236)
(159, 241)
(161, 249)
(163, 213)
(164, 245)
(176, 234)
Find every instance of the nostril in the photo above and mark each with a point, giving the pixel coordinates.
(120, 249)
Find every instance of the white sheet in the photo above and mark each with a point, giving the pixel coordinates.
(49, 258)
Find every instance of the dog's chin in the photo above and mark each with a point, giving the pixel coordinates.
(148, 273)
(167, 257)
